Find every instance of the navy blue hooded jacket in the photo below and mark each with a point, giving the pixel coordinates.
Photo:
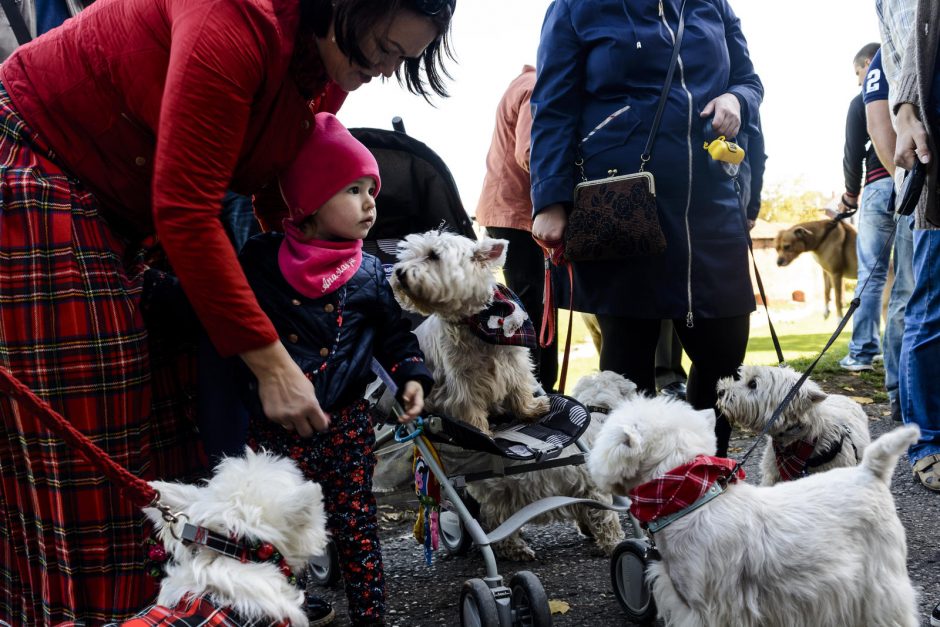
(601, 67)
(333, 338)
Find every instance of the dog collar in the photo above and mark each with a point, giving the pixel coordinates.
(597, 409)
(662, 501)
(504, 321)
(795, 460)
(242, 550)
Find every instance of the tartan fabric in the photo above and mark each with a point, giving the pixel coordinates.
(71, 330)
(504, 321)
(680, 487)
(200, 612)
(792, 458)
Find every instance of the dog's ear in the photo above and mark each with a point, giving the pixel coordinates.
(312, 529)
(491, 252)
(816, 395)
(802, 233)
(631, 437)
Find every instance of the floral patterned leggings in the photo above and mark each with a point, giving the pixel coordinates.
(341, 460)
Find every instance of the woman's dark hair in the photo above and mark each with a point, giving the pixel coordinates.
(352, 18)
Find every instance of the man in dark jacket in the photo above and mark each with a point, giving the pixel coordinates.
(875, 223)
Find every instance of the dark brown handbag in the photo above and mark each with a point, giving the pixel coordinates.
(616, 217)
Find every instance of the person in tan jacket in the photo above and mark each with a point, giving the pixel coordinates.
(505, 209)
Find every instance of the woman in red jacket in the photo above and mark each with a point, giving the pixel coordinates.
(129, 121)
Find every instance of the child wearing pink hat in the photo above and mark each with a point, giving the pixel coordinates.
(334, 310)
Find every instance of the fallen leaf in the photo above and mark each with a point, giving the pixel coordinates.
(557, 606)
(848, 388)
(862, 400)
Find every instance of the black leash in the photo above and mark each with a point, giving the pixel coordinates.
(856, 301)
(763, 296)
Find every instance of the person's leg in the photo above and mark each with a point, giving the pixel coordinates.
(629, 349)
(897, 303)
(876, 226)
(524, 272)
(670, 375)
(342, 461)
(716, 348)
(920, 349)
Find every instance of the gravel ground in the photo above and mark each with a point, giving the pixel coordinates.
(571, 571)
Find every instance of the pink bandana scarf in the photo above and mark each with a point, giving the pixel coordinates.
(680, 487)
(317, 267)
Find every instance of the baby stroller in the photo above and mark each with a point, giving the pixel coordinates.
(419, 194)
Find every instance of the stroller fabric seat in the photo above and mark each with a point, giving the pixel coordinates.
(563, 424)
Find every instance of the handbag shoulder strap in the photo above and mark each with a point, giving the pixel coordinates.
(647, 152)
(17, 23)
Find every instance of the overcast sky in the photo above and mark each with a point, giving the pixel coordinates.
(802, 49)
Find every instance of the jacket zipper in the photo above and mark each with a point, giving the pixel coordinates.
(689, 318)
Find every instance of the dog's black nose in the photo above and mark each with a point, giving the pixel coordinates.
(781, 261)
(721, 393)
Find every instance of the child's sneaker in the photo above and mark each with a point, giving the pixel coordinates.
(854, 365)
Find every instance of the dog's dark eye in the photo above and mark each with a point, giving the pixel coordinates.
(752, 384)
(786, 247)
(432, 255)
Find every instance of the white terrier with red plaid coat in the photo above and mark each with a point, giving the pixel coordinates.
(476, 336)
(816, 432)
(269, 522)
(827, 550)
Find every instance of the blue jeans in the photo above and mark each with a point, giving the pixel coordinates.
(900, 294)
(875, 227)
(920, 349)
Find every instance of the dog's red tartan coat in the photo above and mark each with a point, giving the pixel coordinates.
(680, 487)
(200, 612)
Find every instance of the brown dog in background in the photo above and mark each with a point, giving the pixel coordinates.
(832, 244)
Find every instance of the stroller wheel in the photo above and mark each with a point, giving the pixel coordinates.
(529, 601)
(478, 605)
(451, 530)
(628, 576)
(324, 569)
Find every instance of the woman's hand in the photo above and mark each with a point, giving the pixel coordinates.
(912, 138)
(287, 396)
(727, 111)
(550, 224)
(413, 398)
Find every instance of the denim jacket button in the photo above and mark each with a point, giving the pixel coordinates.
(292, 338)
(140, 161)
(295, 303)
(328, 308)
(324, 352)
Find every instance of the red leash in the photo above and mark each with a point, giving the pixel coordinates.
(140, 492)
(555, 256)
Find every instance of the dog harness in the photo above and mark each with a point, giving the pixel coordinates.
(796, 460)
(504, 321)
(664, 500)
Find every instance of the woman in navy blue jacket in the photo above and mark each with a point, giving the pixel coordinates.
(601, 68)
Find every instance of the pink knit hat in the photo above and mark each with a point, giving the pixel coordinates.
(328, 161)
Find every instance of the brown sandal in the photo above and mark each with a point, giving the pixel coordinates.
(927, 471)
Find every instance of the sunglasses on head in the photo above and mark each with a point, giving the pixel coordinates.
(433, 7)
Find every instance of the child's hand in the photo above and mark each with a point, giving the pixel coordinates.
(413, 399)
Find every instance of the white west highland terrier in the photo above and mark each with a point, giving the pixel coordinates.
(827, 550)
(272, 518)
(816, 432)
(502, 497)
(449, 278)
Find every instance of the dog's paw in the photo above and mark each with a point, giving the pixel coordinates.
(534, 408)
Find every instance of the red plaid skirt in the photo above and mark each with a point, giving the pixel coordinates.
(71, 329)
